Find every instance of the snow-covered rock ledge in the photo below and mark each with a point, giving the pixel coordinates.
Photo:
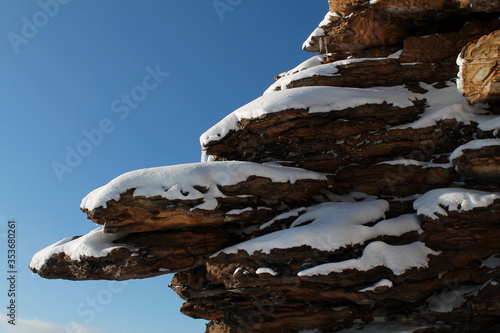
(478, 159)
(438, 203)
(374, 247)
(335, 232)
(312, 99)
(197, 194)
(331, 226)
(398, 258)
(104, 256)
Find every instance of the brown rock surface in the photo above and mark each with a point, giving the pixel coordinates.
(462, 270)
(291, 134)
(259, 197)
(392, 22)
(337, 139)
(380, 72)
(199, 194)
(399, 231)
(414, 9)
(481, 5)
(481, 164)
(135, 256)
(345, 35)
(480, 69)
(402, 179)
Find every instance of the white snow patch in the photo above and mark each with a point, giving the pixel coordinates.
(311, 62)
(381, 283)
(240, 269)
(334, 225)
(179, 181)
(395, 55)
(313, 99)
(244, 210)
(446, 301)
(318, 32)
(329, 69)
(492, 262)
(96, 244)
(445, 103)
(431, 117)
(422, 164)
(455, 199)
(474, 145)
(489, 123)
(398, 258)
(239, 211)
(292, 213)
(326, 20)
(448, 103)
(460, 82)
(266, 270)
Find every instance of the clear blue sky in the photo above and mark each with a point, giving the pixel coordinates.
(66, 71)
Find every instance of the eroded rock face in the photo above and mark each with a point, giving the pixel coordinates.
(388, 221)
(479, 159)
(134, 256)
(480, 69)
(197, 194)
(247, 202)
(392, 22)
(414, 9)
(271, 284)
(400, 179)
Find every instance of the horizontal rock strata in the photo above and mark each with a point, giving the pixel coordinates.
(186, 202)
(273, 284)
(478, 159)
(360, 192)
(133, 256)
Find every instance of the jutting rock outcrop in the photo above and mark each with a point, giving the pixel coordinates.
(360, 192)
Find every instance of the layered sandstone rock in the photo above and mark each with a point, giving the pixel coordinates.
(480, 69)
(413, 9)
(478, 159)
(134, 256)
(358, 274)
(366, 196)
(176, 197)
(343, 31)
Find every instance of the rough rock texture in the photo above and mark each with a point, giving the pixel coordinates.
(132, 214)
(481, 163)
(344, 31)
(141, 255)
(394, 180)
(393, 225)
(415, 9)
(269, 301)
(480, 69)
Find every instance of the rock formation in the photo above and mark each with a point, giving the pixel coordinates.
(360, 192)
